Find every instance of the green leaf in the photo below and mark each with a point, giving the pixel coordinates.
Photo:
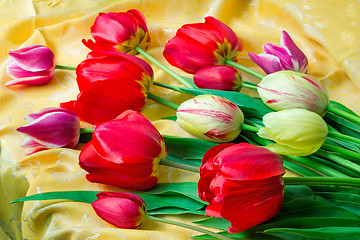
(79, 196)
(188, 189)
(172, 210)
(175, 201)
(190, 80)
(342, 107)
(214, 222)
(186, 150)
(173, 118)
(252, 107)
(335, 233)
(343, 125)
(292, 192)
(346, 196)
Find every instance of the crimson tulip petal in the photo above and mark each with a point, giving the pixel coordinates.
(104, 100)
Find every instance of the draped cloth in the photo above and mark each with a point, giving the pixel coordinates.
(328, 32)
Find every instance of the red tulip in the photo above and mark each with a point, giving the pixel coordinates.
(219, 77)
(124, 152)
(199, 45)
(101, 65)
(109, 84)
(124, 210)
(120, 32)
(242, 183)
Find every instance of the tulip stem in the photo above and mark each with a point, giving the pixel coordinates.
(339, 160)
(162, 101)
(310, 181)
(163, 67)
(86, 130)
(344, 137)
(243, 68)
(65, 67)
(164, 85)
(188, 226)
(247, 85)
(179, 165)
(249, 128)
(346, 115)
(343, 151)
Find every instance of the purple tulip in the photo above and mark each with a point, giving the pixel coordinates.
(51, 128)
(288, 57)
(32, 65)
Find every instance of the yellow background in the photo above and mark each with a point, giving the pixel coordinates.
(327, 31)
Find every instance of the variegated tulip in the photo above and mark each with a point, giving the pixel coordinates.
(199, 45)
(32, 65)
(287, 57)
(287, 89)
(211, 118)
(297, 132)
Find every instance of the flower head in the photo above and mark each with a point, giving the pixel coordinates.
(124, 152)
(199, 45)
(120, 32)
(211, 118)
(123, 210)
(51, 128)
(297, 132)
(218, 77)
(242, 183)
(32, 65)
(288, 57)
(286, 90)
(109, 84)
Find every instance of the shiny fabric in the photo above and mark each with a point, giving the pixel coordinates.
(328, 33)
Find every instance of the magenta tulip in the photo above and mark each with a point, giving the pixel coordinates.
(32, 65)
(288, 57)
(51, 128)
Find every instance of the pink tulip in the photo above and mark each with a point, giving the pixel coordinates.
(51, 128)
(123, 210)
(218, 77)
(288, 57)
(32, 65)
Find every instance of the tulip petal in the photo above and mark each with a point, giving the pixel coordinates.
(34, 59)
(118, 138)
(267, 62)
(299, 60)
(104, 100)
(59, 134)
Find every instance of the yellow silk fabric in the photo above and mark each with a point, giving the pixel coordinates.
(327, 31)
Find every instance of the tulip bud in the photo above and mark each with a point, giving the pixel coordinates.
(199, 45)
(123, 210)
(51, 128)
(297, 132)
(32, 65)
(211, 118)
(242, 183)
(218, 77)
(286, 90)
(120, 32)
(288, 57)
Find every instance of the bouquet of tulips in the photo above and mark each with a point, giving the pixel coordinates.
(241, 145)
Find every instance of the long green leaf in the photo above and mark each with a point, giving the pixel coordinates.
(334, 233)
(79, 196)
